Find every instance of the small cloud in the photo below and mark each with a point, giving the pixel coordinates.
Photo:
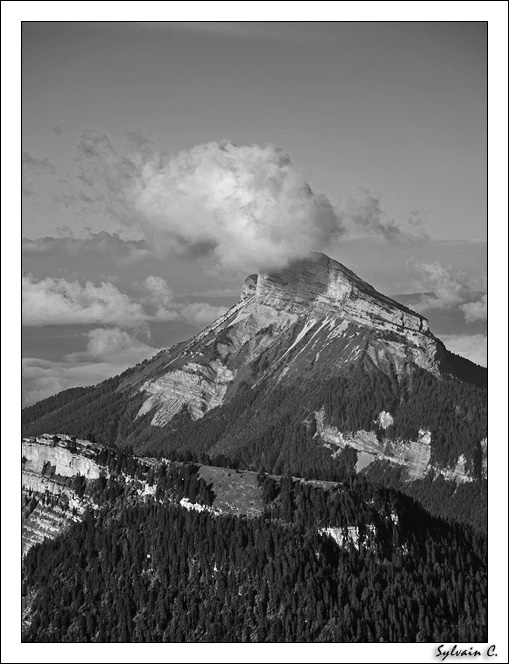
(114, 346)
(476, 311)
(158, 292)
(161, 296)
(474, 347)
(450, 288)
(364, 216)
(200, 313)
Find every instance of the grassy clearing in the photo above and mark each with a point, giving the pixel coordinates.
(237, 491)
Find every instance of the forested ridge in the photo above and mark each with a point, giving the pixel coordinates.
(148, 570)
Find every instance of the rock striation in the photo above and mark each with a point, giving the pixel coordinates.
(48, 466)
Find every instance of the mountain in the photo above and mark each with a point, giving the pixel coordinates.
(312, 372)
(310, 467)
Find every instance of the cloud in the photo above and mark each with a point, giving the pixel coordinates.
(476, 311)
(451, 288)
(42, 378)
(246, 206)
(474, 347)
(114, 346)
(200, 313)
(104, 243)
(57, 301)
(158, 292)
(51, 301)
(109, 352)
(161, 296)
(364, 216)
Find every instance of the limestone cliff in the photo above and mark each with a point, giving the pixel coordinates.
(412, 455)
(51, 450)
(49, 462)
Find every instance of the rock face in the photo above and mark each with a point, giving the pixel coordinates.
(414, 456)
(302, 314)
(322, 285)
(47, 468)
(51, 451)
(46, 521)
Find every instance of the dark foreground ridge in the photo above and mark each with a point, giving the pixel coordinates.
(160, 555)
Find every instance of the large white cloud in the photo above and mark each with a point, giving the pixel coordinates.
(246, 206)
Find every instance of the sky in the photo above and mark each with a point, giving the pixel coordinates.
(164, 162)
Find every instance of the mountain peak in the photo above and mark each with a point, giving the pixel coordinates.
(320, 284)
(308, 321)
